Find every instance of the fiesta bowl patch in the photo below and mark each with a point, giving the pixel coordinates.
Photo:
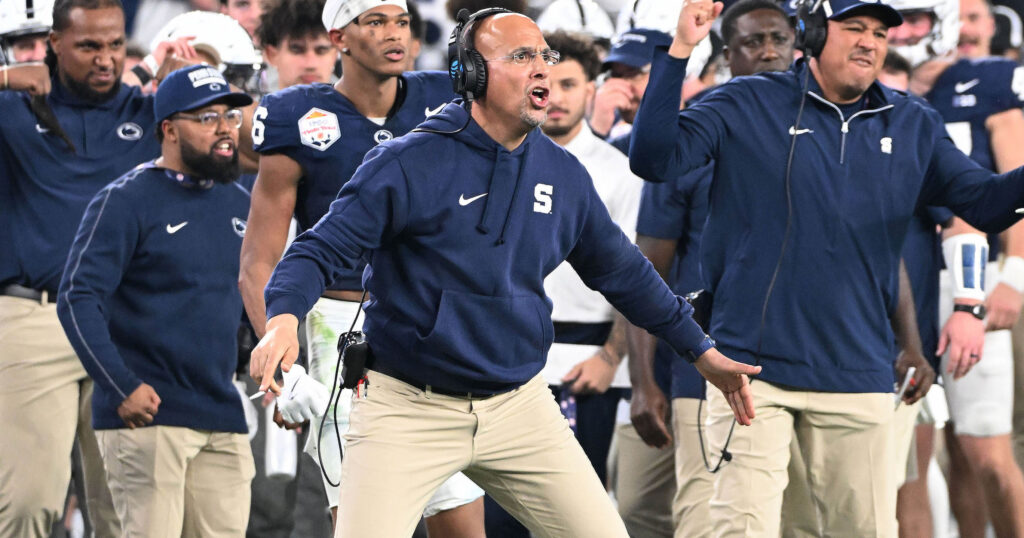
(319, 129)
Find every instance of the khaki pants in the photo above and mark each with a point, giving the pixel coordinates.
(44, 401)
(178, 482)
(691, 506)
(1018, 391)
(645, 483)
(404, 442)
(846, 443)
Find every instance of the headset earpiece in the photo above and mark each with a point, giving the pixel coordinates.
(466, 67)
(811, 27)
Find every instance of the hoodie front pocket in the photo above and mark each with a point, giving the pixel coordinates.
(508, 332)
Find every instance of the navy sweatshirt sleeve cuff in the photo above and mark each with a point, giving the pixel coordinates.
(687, 338)
(287, 304)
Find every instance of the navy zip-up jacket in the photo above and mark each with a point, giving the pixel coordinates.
(461, 234)
(855, 183)
(44, 187)
(150, 295)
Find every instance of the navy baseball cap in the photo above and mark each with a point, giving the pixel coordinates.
(842, 9)
(192, 87)
(635, 47)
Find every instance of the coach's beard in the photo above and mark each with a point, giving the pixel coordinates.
(85, 92)
(209, 165)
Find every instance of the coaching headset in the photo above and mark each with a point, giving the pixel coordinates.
(811, 26)
(467, 68)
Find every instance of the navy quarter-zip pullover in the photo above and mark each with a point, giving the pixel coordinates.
(150, 295)
(45, 186)
(856, 180)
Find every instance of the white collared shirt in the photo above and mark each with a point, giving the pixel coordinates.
(620, 190)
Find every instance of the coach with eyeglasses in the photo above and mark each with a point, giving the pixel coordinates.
(149, 300)
(818, 172)
(458, 323)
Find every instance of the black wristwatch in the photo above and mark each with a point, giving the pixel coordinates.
(977, 310)
(144, 76)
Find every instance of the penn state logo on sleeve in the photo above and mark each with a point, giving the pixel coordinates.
(127, 131)
(319, 129)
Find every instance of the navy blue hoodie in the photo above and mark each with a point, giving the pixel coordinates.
(461, 233)
(150, 294)
(856, 181)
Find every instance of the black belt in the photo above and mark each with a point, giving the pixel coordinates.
(390, 372)
(39, 296)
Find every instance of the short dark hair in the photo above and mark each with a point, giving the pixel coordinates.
(62, 10)
(740, 9)
(576, 46)
(284, 19)
(894, 63)
(454, 6)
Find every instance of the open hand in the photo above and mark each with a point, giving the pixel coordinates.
(964, 336)
(732, 379)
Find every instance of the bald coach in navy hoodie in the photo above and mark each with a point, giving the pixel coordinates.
(461, 222)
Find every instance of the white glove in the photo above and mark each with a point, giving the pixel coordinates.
(303, 398)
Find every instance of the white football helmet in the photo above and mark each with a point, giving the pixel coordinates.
(221, 37)
(576, 16)
(21, 18)
(944, 35)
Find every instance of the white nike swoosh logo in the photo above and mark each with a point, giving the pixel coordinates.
(428, 113)
(42, 130)
(463, 201)
(961, 87)
(173, 229)
(794, 132)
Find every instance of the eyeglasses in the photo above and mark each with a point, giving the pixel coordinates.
(524, 57)
(232, 117)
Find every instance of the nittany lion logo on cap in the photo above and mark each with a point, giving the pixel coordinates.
(319, 129)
